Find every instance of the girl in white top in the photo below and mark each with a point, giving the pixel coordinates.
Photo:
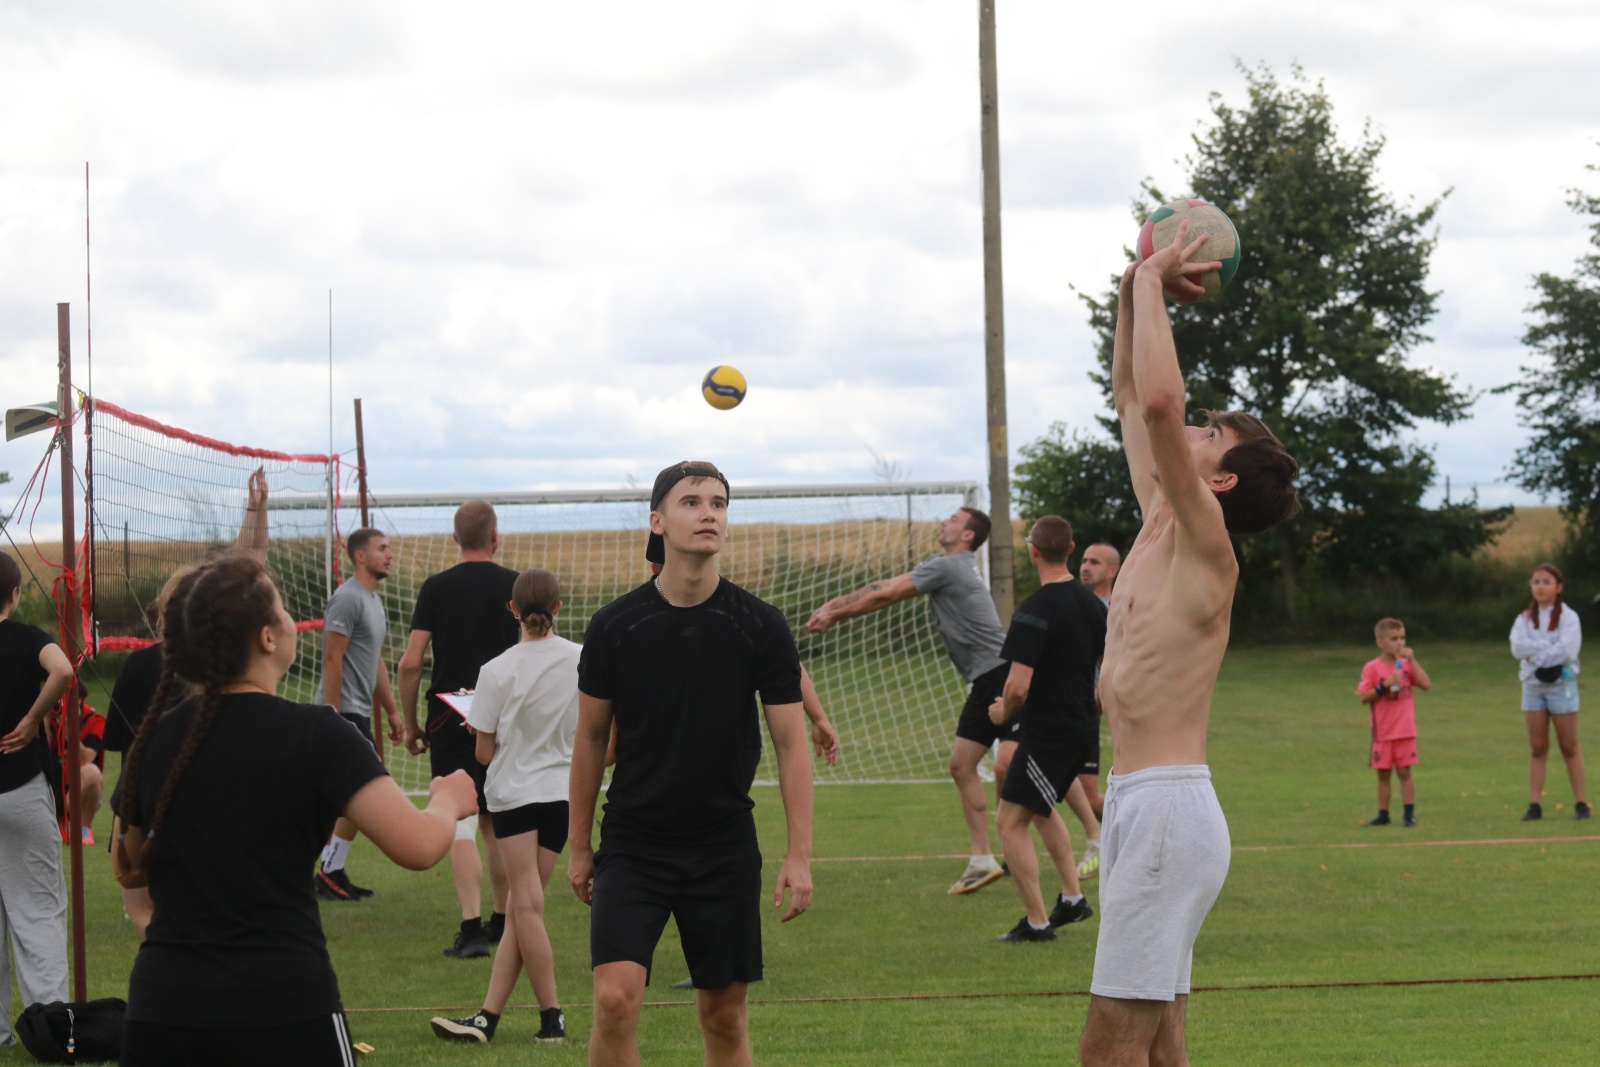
(525, 714)
(1545, 639)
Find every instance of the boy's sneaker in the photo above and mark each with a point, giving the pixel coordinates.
(1065, 913)
(470, 945)
(329, 887)
(479, 1028)
(1410, 822)
(495, 928)
(341, 881)
(1089, 866)
(1381, 820)
(1580, 810)
(1533, 814)
(552, 1025)
(1023, 931)
(976, 877)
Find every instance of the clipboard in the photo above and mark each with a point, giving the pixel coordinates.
(459, 702)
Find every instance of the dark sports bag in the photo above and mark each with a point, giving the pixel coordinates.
(1548, 675)
(88, 1032)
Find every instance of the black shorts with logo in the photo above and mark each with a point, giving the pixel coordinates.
(975, 724)
(1040, 777)
(714, 896)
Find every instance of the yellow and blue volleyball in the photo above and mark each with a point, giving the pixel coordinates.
(1223, 244)
(723, 388)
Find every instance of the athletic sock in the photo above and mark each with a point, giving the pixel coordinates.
(472, 926)
(1383, 814)
(985, 860)
(1035, 926)
(333, 856)
(1411, 811)
(1071, 900)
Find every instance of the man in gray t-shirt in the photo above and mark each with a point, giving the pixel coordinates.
(354, 680)
(965, 616)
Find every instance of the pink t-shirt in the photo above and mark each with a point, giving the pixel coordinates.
(1394, 714)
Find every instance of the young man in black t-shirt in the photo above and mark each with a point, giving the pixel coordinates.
(462, 612)
(677, 664)
(1057, 636)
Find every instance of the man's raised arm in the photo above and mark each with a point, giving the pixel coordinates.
(1125, 395)
(252, 539)
(874, 597)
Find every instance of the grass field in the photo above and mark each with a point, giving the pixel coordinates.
(1332, 943)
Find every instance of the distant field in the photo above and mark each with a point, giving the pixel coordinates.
(1467, 942)
(1532, 532)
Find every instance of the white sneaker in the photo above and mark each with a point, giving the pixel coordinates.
(976, 877)
(1089, 866)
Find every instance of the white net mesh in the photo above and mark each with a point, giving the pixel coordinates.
(884, 679)
(164, 498)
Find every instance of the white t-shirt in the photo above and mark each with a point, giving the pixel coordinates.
(528, 698)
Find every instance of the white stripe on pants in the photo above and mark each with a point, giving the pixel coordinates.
(33, 899)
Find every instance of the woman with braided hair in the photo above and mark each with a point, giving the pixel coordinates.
(227, 799)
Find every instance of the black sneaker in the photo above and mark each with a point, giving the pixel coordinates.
(341, 881)
(479, 1028)
(1533, 814)
(552, 1025)
(330, 888)
(470, 945)
(495, 928)
(1381, 820)
(1410, 822)
(1025, 932)
(1580, 810)
(1065, 913)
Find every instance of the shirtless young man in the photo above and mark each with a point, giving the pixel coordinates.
(1165, 847)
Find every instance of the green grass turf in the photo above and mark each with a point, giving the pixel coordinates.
(919, 980)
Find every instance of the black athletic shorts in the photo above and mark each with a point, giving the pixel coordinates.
(548, 820)
(320, 1042)
(975, 724)
(1040, 777)
(451, 748)
(715, 897)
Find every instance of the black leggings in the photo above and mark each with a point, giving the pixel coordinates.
(320, 1042)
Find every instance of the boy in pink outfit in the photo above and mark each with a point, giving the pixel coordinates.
(1386, 685)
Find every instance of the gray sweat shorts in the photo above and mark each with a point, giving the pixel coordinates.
(1164, 852)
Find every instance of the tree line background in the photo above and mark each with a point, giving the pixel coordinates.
(1315, 336)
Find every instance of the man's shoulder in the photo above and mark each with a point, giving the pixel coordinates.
(641, 597)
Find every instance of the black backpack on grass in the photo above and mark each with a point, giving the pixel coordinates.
(88, 1032)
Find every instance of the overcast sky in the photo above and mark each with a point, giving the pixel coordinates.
(542, 223)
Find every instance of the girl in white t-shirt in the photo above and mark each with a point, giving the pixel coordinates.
(1546, 639)
(525, 714)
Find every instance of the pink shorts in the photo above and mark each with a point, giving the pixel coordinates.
(1400, 753)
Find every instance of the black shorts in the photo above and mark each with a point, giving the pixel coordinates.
(362, 723)
(715, 897)
(320, 1042)
(547, 819)
(452, 748)
(1040, 777)
(975, 724)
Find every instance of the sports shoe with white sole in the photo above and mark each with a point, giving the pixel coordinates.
(976, 877)
(473, 1028)
(552, 1025)
(1065, 913)
(1024, 931)
(1089, 866)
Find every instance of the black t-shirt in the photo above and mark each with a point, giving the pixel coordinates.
(236, 941)
(1060, 632)
(464, 608)
(683, 685)
(131, 696)
(21, 678)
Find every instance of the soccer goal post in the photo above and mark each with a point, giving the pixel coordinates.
(884, 678)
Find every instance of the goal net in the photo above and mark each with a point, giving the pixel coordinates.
(884, 678)
(162, 498)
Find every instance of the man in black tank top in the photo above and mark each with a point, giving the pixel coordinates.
(676, 665)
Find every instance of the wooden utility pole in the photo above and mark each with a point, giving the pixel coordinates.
(69, 607)
(361, 466)
(1001, 551)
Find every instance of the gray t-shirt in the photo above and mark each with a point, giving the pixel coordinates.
(963, 611)
(356, 612)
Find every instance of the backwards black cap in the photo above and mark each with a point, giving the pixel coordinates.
(655, 549)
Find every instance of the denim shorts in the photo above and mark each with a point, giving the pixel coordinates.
(1559, 699)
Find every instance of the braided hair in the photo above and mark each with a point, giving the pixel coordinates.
(1555, 608)
(211, 621)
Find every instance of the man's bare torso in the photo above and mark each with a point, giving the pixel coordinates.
(1165, 638)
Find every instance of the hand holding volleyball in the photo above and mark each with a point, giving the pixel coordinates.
(1175, 234)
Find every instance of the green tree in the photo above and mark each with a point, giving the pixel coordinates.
(1559, 391)
(1082, 479)
(1315, 332)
